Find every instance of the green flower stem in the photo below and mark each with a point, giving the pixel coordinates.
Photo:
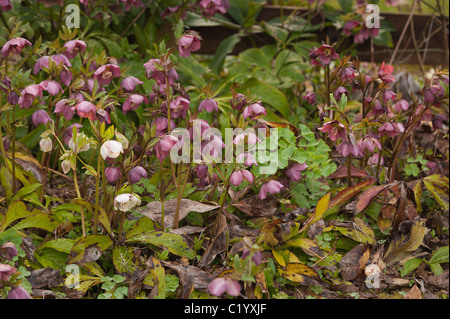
(180, 195)
(77, 189)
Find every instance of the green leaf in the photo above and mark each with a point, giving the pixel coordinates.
(39, 220)
(61, 244)
(410, 265)
(15, 211)
(268, 94)
(123, 260)
(359, 231)
(26, 190)
(88, 249)
(256, 57)
(174, 243)
(440, 256)
(225, 47)
(439, 188)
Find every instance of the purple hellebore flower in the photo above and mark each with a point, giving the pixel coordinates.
(73, 47)
(133, 102)
(162, 125)
(294, 172)
(325, 54)
(42, 62)
(237, 177)
(389, 95)
(40, 117)
(310, 97)
(348, 74)
(66, 76)
(238, 102)
(8, 250)
(434, 93)
(339, 91)
(113, 174)
(5, 5)
(373, 160)
(335, 130)
(5, 271)
(106, 73)
(178, 107)
(18, 293)
(256, 258)
(52, 87)
(188, 43)
(401, 105)
(346, 148)
(253, 110)
(63, 106)
(29, 94)
(61, 60)
(210, 7)
(136, 173)
(153, 71)
(391, 129)
(369, 143)
(164, 146)
(349, 26)
(208, 105)
(129, 83)
(14, 46)
(67, 135)
(273, 187)
(220, 285)
(249, 159)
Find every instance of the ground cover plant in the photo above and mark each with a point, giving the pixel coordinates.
(134, 166)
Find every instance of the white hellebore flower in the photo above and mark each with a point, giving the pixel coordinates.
(46, 144)
(125, 202)
(111, 149)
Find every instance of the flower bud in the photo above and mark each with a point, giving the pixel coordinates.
(46, 144)
(113, 174)
(136, 173)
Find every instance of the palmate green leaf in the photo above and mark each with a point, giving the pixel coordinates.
(174, 243)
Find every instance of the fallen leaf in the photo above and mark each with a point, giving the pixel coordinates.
(349, 193)
(45, 277)
(254, 206)
(403, 246)
(342, 172)
(321, 209)
(307, 245)
(300, 273)
(413, 293)
(369, 195)
(353, 262)
(154, 210)
(218, 244)
(358, 230)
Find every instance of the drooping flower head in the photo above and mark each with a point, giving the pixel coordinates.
(29, 94)
(126, 202)
(273, 187)
(136, 173)
(188, 43)
(325, 54)
(294, 171)
(129, 83)
(40, 117)
(253, 110)
(133, 102)
(87, 110)
(208, 105)
(210, 7)
(335, 130)
(14, 46)
(105, 74)
(73, 47)
(220, 285)
(385, 73)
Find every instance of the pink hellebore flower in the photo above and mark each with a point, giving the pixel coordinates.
(164, 146)
(210, 7)
(294, 172)
(66, 76)
(42, 62)
(6, 271)
(52, 87)
(251, 138)
(8, 250)
(391, 129)
(346, 148)
(105, 73)
(335, 130)
(40, 117)
(385, 73)
(5, 5)
(18, 293)
(178, 107)
(63, 106)
(29, 94)
(389, 95)
(208, 105)
(325, 54)
(220, 285)
(369, 143)
(14, 46)
(188, 43)
(133, 102)
(256, 258)
(61, 60)
(310, 97)
(129, 83)
(237, 177)
(253, 110)
(401, 105)
(87, 110)
(373, 160)
(273, 187)
(162, 125)
(249, 159)
(153, 70)
(67, 135)
(73, 47)
(136, 173)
